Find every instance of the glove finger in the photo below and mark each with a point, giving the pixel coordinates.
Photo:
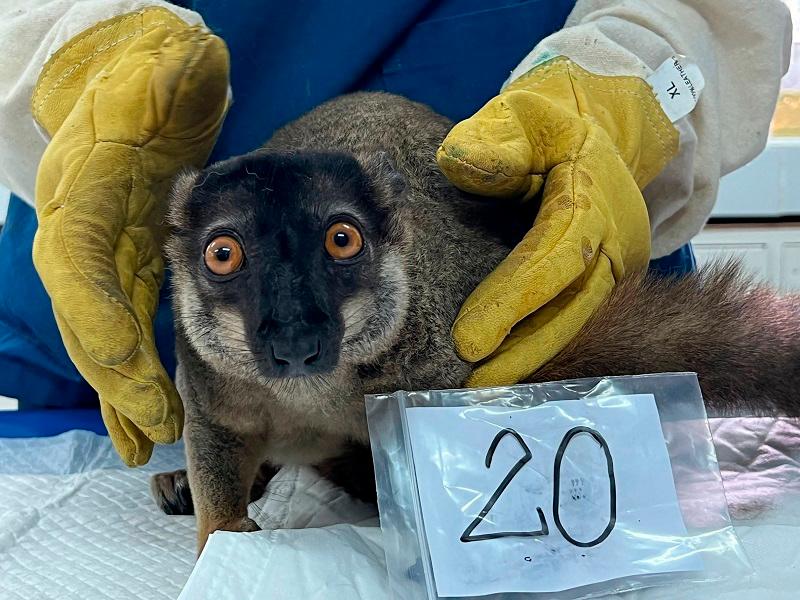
(554, 253)
(137, 245)
(152, 403)
(174, 90)
(74, 247)
(145, 365)
(198, 96)
(541, 336)
(131, 444)
(505, 148)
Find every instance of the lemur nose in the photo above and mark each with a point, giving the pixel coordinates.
(296, 353)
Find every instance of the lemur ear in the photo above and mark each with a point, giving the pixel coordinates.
(182, 186)
(380, 167)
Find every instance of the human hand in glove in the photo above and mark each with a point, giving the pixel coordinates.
(589, 143)
(127, 104)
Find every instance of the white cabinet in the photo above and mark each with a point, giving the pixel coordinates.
(766, 188)
(769, 251)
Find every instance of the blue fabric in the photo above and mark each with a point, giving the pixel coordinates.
(286, 57)
(680, 262)
(34, 367)
(42, 423)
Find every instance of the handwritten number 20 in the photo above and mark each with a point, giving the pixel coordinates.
(467, 535)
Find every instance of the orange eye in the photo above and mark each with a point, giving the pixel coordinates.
(224, 255)
(343, 241)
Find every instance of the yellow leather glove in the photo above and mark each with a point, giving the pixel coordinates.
(127, 103)
(590, 143)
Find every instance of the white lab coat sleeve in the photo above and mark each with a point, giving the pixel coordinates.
(30, 32)
(742, 48)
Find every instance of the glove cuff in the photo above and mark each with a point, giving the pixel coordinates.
(76, 63)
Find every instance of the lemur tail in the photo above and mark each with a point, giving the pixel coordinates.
(742, 339)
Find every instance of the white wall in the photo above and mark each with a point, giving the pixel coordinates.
(768, 186)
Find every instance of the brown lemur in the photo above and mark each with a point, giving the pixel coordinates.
(332, 263)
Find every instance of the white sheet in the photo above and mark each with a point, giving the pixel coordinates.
(76, 524)
(644, 530)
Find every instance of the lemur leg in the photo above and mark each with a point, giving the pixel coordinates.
(222, 468)
(173, 495)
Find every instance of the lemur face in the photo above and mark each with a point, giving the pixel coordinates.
(287, 265)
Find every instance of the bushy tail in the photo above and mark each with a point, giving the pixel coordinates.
(742, 339)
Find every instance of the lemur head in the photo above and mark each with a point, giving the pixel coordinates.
(286, 265)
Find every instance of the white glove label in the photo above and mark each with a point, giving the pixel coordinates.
(562, 495)
(677, 84)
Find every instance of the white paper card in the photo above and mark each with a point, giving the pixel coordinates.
(621, 510)
(677, 84)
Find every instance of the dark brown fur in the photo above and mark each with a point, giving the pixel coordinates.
(740, 338)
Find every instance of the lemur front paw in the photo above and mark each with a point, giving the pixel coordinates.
(172, 493)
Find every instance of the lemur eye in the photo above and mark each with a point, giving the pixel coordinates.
(343, 241)
(224, 255)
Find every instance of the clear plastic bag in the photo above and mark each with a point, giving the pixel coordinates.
(559, 490)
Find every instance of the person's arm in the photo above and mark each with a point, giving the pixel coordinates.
(578, 124)
(101, 103)
(742, 48)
